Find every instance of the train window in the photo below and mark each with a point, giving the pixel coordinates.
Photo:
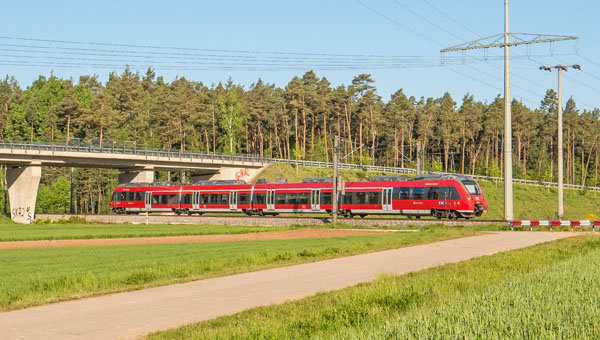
(223, 198)
(258, 198)
(347, 198)
(280, 198)
(472, 187)
(291, 198)
(373, 198)
(139, 196)
(326, 198)
(454, 195)
(417, 193)
(401, 193)
(117, 196)
(359, 198)
(155, 199)
(303, 198)
(438, 193)
(186, 199)
(243, 198)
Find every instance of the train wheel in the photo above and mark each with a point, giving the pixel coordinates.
(452, 215)
(261, 213)
(363, 216)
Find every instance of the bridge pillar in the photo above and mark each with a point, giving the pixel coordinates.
(140, 176)
(23, 183)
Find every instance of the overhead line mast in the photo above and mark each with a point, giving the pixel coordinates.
(495, 41)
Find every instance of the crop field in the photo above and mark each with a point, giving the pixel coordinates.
(44, 275)
(27, 232)
(548, 291)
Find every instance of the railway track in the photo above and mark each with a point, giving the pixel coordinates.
(261, 221)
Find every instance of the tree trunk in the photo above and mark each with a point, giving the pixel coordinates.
(261, 140)
(214, 133)
(360, 138)
(325, 137)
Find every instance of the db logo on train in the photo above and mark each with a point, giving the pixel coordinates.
(242, 173)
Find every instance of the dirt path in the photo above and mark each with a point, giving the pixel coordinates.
(266, 235)
(133, 314)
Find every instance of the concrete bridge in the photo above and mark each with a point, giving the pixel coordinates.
(24, 162)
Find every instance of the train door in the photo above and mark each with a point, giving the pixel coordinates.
(315, 199)
(270, 199)
(148, 200)
(195, 200)
(386, 199)
(233, 198)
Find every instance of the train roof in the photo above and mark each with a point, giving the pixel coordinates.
(220, 182)
(153, 184)
(433, 177)
(389, 178)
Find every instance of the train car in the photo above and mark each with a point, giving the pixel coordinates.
(216, 196)
(313, 195)
(441, 196)
(132, 198)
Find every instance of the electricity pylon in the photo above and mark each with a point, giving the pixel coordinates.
(495, 41)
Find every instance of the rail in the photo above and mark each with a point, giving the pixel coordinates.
(131, 148)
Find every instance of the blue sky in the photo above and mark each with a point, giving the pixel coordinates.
(332, 27)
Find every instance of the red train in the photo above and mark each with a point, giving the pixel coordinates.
(442, 196)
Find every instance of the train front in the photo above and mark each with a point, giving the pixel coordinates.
(480, 205)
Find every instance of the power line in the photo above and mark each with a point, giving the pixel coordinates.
(397, 23)
(452, 19)
(186, 48)
(427, 20)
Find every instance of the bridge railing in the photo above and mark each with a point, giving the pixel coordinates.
(131, 148)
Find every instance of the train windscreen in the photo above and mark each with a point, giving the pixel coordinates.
(472, 187)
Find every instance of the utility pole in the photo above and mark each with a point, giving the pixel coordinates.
(496, 41)
(418, 157)
(508, 177)
(71, 210)
(334, 203)
(559, 68)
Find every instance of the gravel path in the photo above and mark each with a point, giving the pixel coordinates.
(260, 236)
(134, 314)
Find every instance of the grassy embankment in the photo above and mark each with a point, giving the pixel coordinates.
(531, 202)
(44, 275)
(546, 291)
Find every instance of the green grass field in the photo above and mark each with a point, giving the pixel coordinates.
(541, 292)
(44, 275)
(22, 232)
(531, 202)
